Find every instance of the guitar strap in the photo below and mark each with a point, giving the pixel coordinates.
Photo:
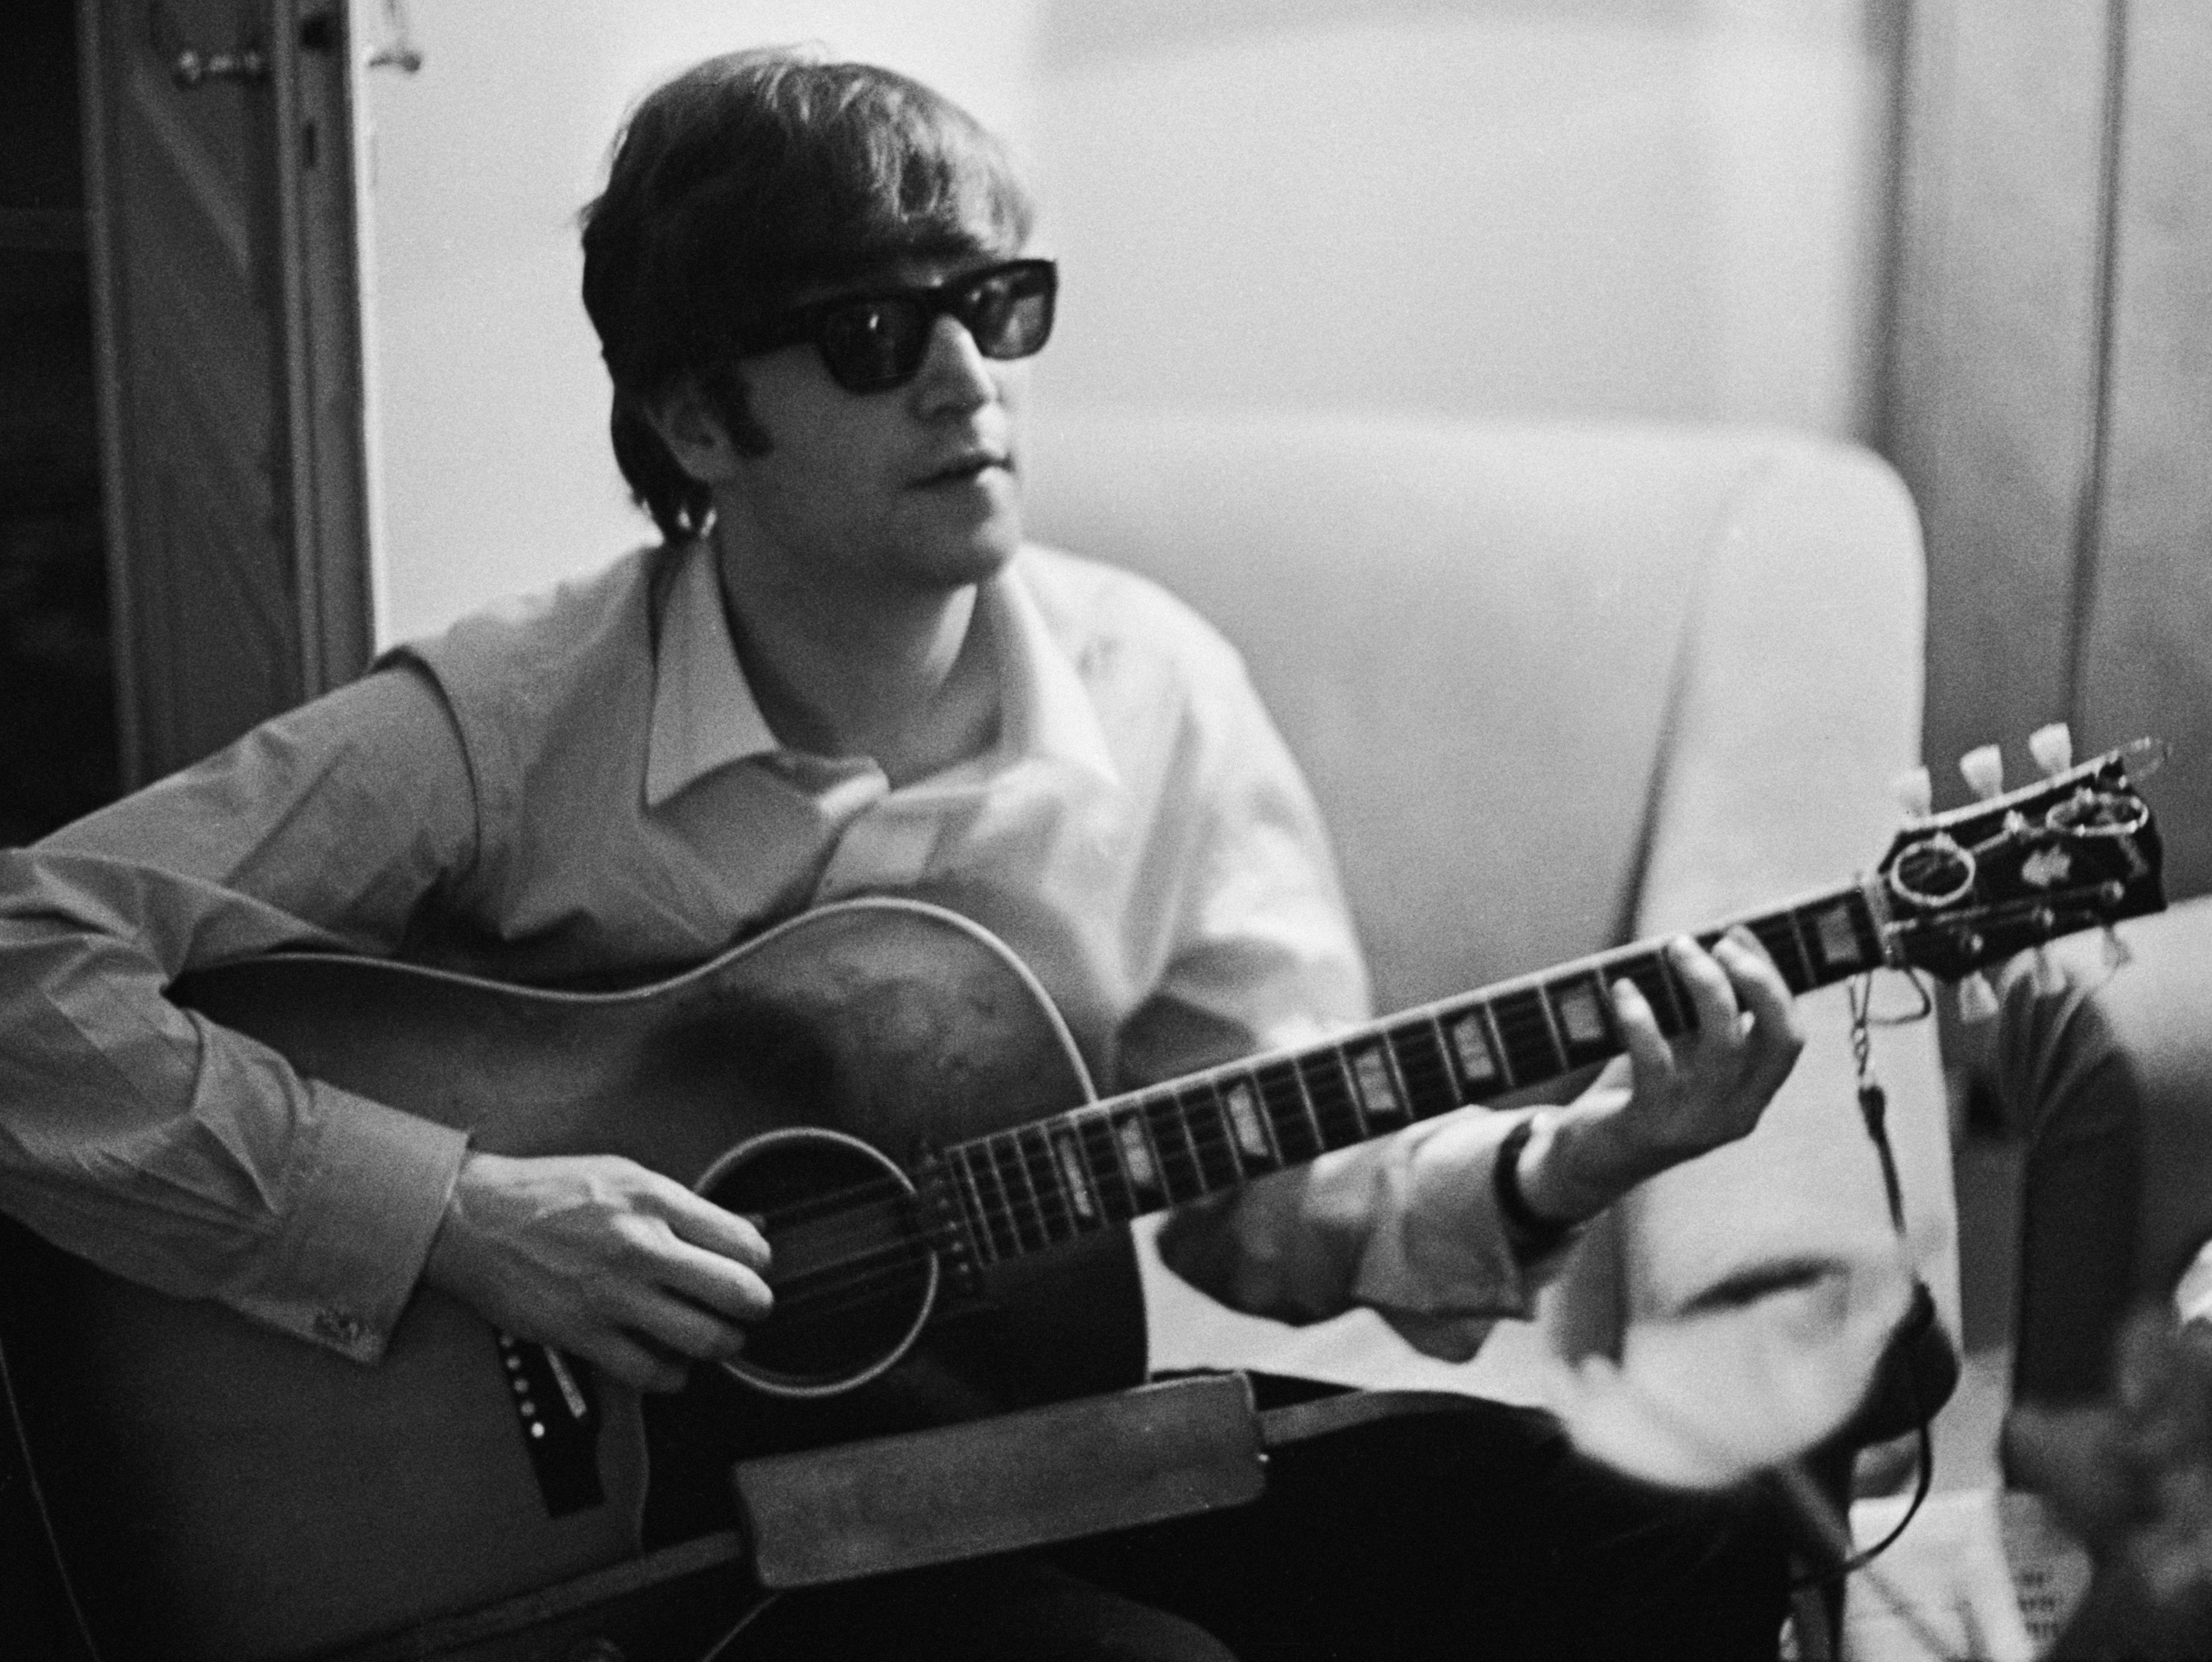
(1196, 1443)
(1919, 1367)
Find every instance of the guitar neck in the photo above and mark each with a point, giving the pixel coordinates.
(1054, 1180)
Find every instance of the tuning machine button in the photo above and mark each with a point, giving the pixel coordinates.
(1983, 768)
(1977, 1000)
(2052, 747)
(1915, 793)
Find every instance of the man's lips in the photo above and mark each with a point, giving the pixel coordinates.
(964, 468)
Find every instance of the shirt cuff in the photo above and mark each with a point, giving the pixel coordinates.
(1438, 1264)
(360, 1225)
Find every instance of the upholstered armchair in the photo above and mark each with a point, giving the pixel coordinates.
(1559, 688)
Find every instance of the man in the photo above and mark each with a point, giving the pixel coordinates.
(843, 672)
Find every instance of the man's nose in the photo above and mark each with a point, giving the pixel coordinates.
(954, 375)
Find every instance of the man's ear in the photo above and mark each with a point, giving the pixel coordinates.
(694, 433)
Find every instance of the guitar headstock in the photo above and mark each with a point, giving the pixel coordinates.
(2078, 850)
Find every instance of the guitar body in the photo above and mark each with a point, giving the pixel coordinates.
(216, 1489)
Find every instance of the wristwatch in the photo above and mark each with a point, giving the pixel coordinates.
(1533, 1234)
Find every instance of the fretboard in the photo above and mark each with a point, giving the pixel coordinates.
(1054, 1180)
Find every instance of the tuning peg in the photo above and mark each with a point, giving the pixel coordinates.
(1977, 1000)
(1914, 793)
(2052, 747)
(2049, 979)
(1982, 767)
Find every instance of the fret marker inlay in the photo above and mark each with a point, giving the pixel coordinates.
(1243, 1107)
(1839, 942)
(1071, 1172)
(1473, 1049)
(1136, 1152)
(1580, 1019)
(1378, 1092)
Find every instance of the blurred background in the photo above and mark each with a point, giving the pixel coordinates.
(1971, 233)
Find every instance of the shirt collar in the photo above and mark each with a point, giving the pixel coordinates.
(705, 716)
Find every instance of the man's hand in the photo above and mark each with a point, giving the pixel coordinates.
(601, 1258)
(1680, 1100)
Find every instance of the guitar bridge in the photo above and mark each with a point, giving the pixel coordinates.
(557, 1408)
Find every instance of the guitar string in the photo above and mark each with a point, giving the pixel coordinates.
(1209, 1137)
(831, 1199)
(1059, 1219)
(1206, 1133)
(843, 1281)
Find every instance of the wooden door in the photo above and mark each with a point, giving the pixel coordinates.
(219, 173)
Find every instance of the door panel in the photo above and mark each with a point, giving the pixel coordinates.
(227, 296)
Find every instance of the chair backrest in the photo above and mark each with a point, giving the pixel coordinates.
(1482, 641)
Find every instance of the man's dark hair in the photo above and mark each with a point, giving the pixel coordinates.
(744, 180)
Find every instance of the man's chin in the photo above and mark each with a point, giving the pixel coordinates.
(976, 558)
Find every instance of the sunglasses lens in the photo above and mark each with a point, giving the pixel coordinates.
(873, 344)
(1009, 312)
(875, 341)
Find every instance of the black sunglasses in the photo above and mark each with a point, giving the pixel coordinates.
(876, 340)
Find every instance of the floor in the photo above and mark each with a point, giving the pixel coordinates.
(1987, 1175)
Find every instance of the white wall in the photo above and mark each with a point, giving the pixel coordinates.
(1646, 208)
(1541, 208)
(489, 403)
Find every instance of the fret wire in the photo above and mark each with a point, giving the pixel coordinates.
(1326, 1093)
(1131, 1117)
(1803, 948)
(1033, 1215)
(1772, 933)
(1076, 1133)
(1284, 1101)
(1118, 1193)
(1055, 1208)
(1863, 929)
(964, 1171)
(1002, 1216)
(1487, 1010)
(1646, 972)
(1355, 1099)
(1682, 1016)
(1425, 1074)
(1210, 1138)
(1551, 1025)
(1684, 1003)
(1172, 1149)
(1526, 1035)
(1461, 1089)
(1014, 1211)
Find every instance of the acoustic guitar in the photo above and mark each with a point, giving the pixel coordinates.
(891, 1091)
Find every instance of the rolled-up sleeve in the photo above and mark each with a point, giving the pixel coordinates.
(1266, 958)
(179, 1153)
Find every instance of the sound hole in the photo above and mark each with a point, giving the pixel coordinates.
(853, 1278)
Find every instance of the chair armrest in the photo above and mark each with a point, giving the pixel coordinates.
(2109, 1069)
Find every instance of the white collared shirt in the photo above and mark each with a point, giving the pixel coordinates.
(581, 787)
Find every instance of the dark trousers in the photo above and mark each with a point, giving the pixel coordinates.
(1471, 1534)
